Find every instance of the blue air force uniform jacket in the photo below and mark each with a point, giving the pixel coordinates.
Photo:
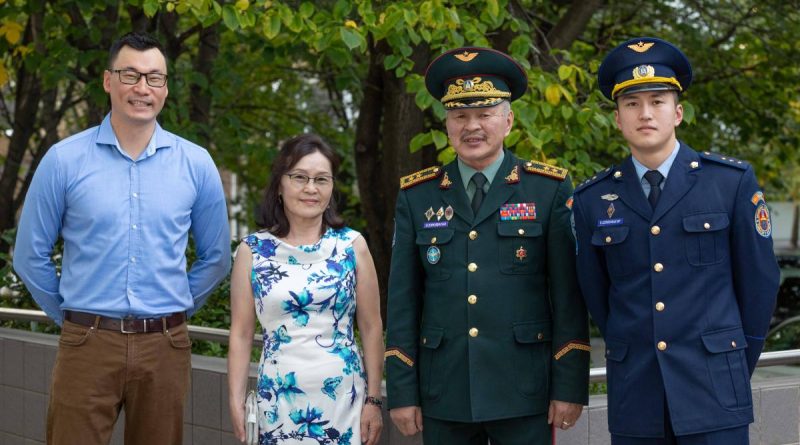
(485, 320)
(683, 294)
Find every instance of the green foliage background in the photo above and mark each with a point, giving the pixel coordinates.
(275, 68)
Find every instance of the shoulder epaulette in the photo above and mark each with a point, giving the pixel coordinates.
(540, 168)
(594, 179)
(723, 159)
(420, 177)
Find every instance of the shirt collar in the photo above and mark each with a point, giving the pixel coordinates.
(106, 136)
(490, 171)
(663, 168)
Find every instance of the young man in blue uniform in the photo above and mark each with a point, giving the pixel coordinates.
(676, 265)
(487, 335)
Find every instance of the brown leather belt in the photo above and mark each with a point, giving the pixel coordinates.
(127, 325)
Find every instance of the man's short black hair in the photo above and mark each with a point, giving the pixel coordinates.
(139, 41)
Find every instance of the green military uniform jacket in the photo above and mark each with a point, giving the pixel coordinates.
(485, 319)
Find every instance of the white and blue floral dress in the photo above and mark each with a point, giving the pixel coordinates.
(311, 380)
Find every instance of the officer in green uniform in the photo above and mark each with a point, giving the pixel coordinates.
(487, 332)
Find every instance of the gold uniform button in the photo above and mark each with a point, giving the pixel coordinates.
(659, 306)
(706, 226)
(473, 235)
(424, 340)
(472, 299)
(658, 267)
(472, 267)
(608, 239)
(539, 336)
(733, 344)
(433, 240)
(473, 332)
(662, 346)
(521, 231)
(655, 230)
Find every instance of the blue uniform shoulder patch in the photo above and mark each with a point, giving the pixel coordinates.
(594, 179)
(723, 159)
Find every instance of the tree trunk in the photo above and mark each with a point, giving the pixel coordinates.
(569, 28)
(388, 119)
(200, 106)
(29, 93)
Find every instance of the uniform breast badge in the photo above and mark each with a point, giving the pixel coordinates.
(610, 197)
(433, 254)
(429, 213)
(448, 213)
(610, 210)
(522, 253)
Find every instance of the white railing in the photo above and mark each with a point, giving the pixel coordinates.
(596, 375)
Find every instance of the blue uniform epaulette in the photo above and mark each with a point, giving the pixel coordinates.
(541, 168)
(595, 178)
(419, 177)
(723, 159)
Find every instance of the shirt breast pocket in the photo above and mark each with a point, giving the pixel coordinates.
(436, 251)
(706, 238)
(612, 241)
(521, 247)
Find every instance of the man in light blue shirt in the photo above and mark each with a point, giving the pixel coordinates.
(124, 197)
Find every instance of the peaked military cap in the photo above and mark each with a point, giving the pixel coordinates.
(475, 77)
(644, 64)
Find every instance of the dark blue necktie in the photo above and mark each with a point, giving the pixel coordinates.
(654, 178)
(479, 180)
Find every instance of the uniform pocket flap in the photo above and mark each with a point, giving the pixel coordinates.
(616, 350)
(724, 341)
(532, 331)
(525, 229)
(431, 337)
(608, 236)
(425, 237)
(705, 222)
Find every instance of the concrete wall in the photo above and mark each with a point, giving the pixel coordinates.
(26, 362)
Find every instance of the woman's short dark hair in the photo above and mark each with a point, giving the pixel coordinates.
(270, 214)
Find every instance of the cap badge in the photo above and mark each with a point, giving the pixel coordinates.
(644, 71)
(466, 56)
(641, 47)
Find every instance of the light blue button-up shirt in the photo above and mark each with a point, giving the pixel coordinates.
(125, 225)
(663, 169)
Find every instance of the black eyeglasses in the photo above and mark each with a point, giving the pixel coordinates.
(301, 180)
(131, 77)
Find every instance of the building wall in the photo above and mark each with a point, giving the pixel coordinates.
(26, 362)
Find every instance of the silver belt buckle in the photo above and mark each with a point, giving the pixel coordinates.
(122, 325)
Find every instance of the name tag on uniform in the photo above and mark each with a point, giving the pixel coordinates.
(434, 224)
(518, 211)
(609, 222)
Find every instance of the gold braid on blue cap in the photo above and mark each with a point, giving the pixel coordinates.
(644, 74)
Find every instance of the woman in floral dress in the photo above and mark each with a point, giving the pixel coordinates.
(307, 277)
